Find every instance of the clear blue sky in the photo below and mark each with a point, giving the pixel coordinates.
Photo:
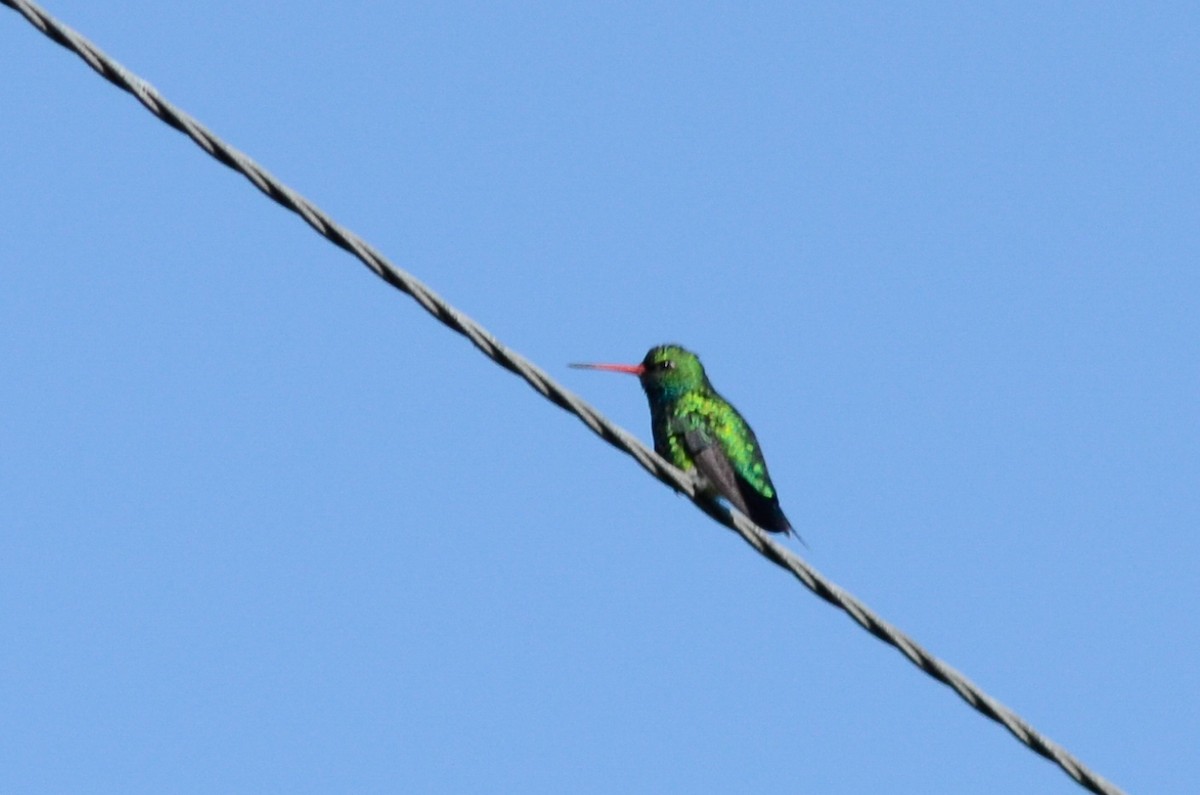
(267, 527)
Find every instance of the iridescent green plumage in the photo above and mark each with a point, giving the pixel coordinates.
(696, 429)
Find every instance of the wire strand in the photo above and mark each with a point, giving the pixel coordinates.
(616, 436)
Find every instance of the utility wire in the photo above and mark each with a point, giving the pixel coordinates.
(751, 533)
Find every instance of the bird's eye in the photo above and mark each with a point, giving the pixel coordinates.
(667, 365)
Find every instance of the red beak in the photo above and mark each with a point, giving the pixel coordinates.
(632, 369)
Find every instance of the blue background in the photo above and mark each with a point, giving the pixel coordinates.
(267, 527)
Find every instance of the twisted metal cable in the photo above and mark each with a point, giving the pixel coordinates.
(616, 436)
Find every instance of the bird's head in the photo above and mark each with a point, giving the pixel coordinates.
(666, 372)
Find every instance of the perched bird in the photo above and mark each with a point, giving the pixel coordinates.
(696, 428)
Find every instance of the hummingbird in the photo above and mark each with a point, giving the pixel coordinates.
(698, 430)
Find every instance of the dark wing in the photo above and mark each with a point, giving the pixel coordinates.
(712, 462)
(715, 466)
